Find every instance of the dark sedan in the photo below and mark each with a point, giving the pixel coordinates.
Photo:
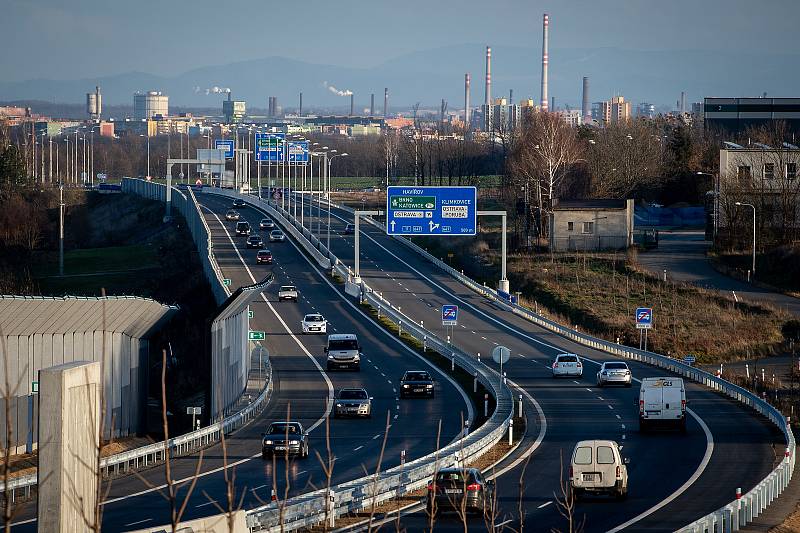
(264, 257)
(255, 241)
(416, 383)
(285, 438)
(454, 489)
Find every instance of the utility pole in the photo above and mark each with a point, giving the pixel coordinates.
(61, 230)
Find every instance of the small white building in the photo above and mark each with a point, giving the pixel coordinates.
(591, 225)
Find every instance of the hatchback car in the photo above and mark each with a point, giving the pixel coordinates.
(567, 364)
(255, 241)
(416, 383)
(349, 229)
(232, 215)
(266, 223)
(614, 373)
(264, 257)
(243, 228)
(353, 402)
(276, 236)
(314, 323)
(284, 438)
(460, 488)
(287, 292)
(238, 203)
(597, 467)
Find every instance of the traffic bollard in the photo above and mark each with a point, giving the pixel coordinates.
(466, 428)
(452, 364)
(485, 405)
(510, 432)
(379, 312)
(400, 328)
(475, 383)
(331, 509)
(747, 370)
(504, 378)
(424, 344)
(520, 406)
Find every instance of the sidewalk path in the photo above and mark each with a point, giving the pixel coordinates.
(683, 255)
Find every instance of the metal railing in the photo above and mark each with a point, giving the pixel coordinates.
(312, 508)
(729, 517)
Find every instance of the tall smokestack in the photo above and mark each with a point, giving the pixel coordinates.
(466, 101)
(487, 100)
(585, 111)
(300, 111)
(683, 102)
(511, 97)
(385, 102)
(351, 103)
(545, 59)
(372, 104)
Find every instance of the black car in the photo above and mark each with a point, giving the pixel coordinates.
(416, 383)
(242, 228)
(238, 203)
(349, 229)
(460, 488)
(284, 438)
(255, 241)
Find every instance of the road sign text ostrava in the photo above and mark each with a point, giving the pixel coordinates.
(449, 315)
(431, 211)
(644, 317)
(270, 146)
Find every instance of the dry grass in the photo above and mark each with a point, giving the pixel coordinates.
(600, 293)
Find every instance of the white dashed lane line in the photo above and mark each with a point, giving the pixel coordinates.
(545, 504)
(356, 449)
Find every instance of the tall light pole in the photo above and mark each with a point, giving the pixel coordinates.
(148, 154)
(66, 157)
(754, 232)
(61, 229)
(715, 208)
(329, 161)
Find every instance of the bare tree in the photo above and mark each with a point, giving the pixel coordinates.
(565, 502)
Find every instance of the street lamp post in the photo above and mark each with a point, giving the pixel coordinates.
(754, 232)
(328, 173)
(715, 208)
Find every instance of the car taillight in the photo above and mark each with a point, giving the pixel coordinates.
(473, 487)
(683, 405)
(431, 487)
(618, 472)
(555, 365)
(641, 406)
(579, 364)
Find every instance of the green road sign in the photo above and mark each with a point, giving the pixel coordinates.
(256, 335)
(413, 202)
(250, 314)
(226, 281)
(34, 387)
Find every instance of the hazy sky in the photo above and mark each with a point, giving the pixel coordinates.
(83, 38)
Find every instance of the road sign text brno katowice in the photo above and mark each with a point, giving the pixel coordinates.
(644, 317)
(431, 211)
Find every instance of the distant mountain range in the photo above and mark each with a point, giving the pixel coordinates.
(657, 77)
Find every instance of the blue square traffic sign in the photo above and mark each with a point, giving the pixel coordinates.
(644, 317)
(449, 315)
(225, 144)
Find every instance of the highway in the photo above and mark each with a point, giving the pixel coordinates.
(674, 478)
(301, 387)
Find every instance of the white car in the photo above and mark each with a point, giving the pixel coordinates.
(287, 292)
(597, 467)
(614, 373)
(314, 323)
(568, 365)
(276, 235)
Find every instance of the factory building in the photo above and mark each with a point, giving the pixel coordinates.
(149, 105)
(735, 116)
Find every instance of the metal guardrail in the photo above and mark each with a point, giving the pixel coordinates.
(730, 517)
(312, 508)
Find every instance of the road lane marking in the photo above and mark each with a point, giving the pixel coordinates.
(212, 502)
(545, 504)
(356, 449)
(127, 525)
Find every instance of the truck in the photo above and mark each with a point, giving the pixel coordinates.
(662, 402)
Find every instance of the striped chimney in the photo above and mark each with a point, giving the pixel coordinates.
(545, 59)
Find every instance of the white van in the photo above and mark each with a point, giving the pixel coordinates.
(662, 401)
(344, 351)
(597, 467)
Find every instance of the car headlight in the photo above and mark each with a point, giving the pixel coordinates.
(428, 386)
(405, 386)
(294, 442)
(357, 357)
(604, 373)
(330, 358)
(338, 405)
(267, 442)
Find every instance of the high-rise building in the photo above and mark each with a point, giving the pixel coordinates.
(503, 117)
(573, 117)
(149, 105)
(610, 111)
(233, 110)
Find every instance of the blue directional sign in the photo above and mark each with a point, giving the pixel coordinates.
(449, 315)
(297, 151)
(431, 211)
(270, 147)
(225, 144)
(644, 317)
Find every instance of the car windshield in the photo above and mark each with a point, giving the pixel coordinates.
(276, 232)
(583, 456)
(353, 395)
(417, 376)
(264, 253)
(313, 318)
(455, 475)
(255, 238)
(264, 220)
(616, 366)
(567, 358)
(288, 288)
(343, 344)
(281, 428)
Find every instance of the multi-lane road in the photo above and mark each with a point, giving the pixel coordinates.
(674, 478)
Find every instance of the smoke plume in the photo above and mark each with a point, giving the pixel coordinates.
(217, 90)
(334, 90)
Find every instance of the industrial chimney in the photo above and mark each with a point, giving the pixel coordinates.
(487, 100)
(351, 104)
(300, 111)
(683, 102)
(372, 104)
(585, 111)
(466, 101)
(545, 47)
(385, 102)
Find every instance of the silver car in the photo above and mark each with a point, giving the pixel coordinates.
(614, 373)
(353, 402)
